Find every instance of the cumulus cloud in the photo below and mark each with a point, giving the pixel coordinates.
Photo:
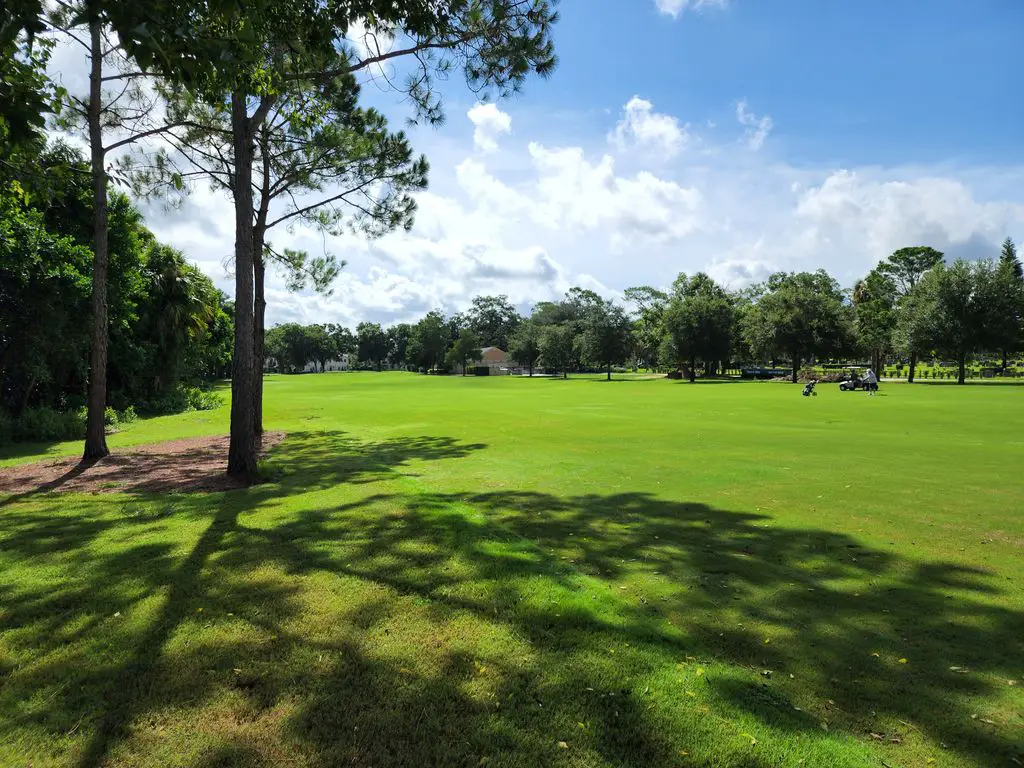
(532, 219)
(643, 127)
(674, 8)
(758, 128)
(489, 123)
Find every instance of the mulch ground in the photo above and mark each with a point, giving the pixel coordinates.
(194, 464)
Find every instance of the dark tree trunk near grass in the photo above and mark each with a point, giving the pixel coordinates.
(913, 368)
(242, 451)
(796, 367)
(961, 375)
(258, 335)
(609, 372)
(95, 431)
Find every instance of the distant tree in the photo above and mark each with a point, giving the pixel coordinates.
(1008, 309)
(605, 336)
(345, 342)
(874, 302)
(797, 315)
(398, 343)
(429, 341)
(373, 344)
(322, 345)
(956, 303)
(648, 316)
(698, 322)
(524, 345)
(1010, 260)
(558, 347)
(290, 344)
(493, 319)
(464, 349)
(906, 267)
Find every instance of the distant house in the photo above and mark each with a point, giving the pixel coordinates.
(270, 364)
(494, 358)
(341, 364)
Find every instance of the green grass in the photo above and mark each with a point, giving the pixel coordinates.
(498, 572)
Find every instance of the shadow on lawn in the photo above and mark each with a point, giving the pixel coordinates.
(829, 603)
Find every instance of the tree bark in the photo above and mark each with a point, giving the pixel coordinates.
(962, 372)
(95, 431)
(258, 334)
(242, 451)
(796, 367)
(609, 372)
(913, 367)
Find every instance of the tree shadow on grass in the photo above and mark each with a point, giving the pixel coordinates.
(483, 629)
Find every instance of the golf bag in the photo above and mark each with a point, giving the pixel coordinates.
(809, 389)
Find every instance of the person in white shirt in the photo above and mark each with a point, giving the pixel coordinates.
(872, 382)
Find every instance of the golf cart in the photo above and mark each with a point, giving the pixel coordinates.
(854, 381)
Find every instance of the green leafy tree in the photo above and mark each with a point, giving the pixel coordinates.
(874, 301)
(465, 349)
(398, 344)
(281, 48)
(698, 322)
(648, 322)
(956, 306)
(373, 344)
(525, 343)
(558, 347)
(493, 319)
(429, 341)
(797, 315)
(604, 339)
(1009, 259)
(116, 113)
(1008, 308)
(906, 267)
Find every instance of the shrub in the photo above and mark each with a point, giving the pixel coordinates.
(128, 415)
(200, 400)
(181, 399)
(110, 419)
(42, 425)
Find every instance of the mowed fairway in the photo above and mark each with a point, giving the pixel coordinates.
(497, 572)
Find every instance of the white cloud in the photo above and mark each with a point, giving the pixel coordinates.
(649, 130)
(489, 123)
(758, 128)
(533, 218)
(674, 8)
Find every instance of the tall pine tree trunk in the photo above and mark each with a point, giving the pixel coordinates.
(258, 335)
(242, 452)
(95, 434)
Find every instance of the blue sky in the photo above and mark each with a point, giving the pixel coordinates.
(862, 82)
(738, 137)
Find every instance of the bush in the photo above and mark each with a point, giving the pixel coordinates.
(42, 425)
(110, 419)
(200, 400)
(182, 399)
(128, 415)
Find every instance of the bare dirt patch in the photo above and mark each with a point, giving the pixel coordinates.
(193, 464)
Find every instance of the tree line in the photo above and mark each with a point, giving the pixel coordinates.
(910, 306)
(170, 328)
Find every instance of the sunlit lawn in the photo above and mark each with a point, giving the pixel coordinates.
(492, 572)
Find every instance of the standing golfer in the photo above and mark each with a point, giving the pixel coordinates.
(872, 382)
